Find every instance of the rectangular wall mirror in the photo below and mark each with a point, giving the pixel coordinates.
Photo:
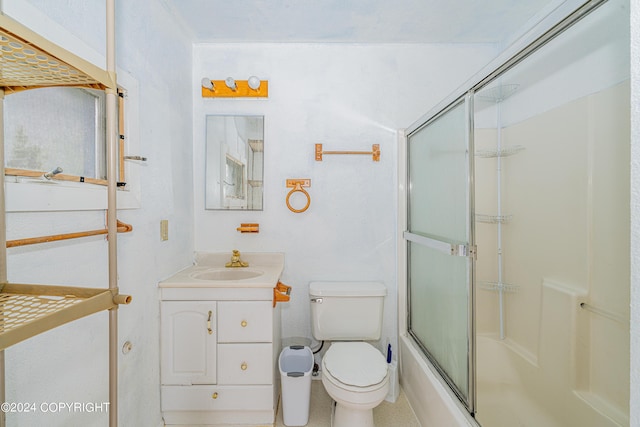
(234, 161)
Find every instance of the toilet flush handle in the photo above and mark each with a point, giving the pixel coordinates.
(317, 300)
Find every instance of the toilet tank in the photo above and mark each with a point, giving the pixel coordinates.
(346, 311)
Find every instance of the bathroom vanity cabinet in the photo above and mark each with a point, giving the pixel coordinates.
(218, 359)
(219, 353)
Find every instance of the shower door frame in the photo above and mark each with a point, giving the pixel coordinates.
(466, 249)
(503, 63)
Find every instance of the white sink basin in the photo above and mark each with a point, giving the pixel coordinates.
(209, 271)
(238, 273)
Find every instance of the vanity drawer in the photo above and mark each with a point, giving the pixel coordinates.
(245, 364)
(211, 397)
(245, 321)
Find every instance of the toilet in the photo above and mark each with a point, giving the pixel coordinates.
(354, 373)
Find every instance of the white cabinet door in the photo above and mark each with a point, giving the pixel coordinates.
(188, 342)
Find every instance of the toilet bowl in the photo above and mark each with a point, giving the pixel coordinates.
(354, 373)
(356, 377)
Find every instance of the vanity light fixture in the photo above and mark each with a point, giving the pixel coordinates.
(207, 83)
(231, 83)
(231, 88)
(254, 83)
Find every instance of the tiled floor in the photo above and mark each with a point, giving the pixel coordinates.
(398, 414)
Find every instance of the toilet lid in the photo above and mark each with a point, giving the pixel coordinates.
(355, 363)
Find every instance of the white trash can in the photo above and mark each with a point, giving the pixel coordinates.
(295, 363)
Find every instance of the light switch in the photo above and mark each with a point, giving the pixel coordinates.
(164, 229)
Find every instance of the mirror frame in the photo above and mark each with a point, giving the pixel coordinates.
(234, 162)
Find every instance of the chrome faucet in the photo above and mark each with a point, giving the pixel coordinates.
(236, 261)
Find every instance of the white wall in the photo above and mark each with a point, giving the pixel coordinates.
(346, 97)
(70, 364)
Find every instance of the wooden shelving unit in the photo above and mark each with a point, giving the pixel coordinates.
(29, 61)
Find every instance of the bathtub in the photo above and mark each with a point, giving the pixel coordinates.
(502, 400)
(432, 401)
(548, 399)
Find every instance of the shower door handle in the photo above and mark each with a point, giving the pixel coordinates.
(454, 249)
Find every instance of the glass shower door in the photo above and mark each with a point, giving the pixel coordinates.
(440, 245)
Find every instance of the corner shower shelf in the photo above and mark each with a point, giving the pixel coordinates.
(497, 286)
(504, 152)
(494, 219)
(497, 93)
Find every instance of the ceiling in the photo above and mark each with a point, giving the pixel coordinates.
(357, 21)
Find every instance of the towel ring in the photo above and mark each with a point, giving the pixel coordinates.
(296, 185)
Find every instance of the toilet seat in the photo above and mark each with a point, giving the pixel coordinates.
(355, 364)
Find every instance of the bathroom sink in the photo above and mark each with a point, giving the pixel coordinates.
(210, 271)
(226, 274)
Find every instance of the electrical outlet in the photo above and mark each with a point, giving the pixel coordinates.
(164, 229)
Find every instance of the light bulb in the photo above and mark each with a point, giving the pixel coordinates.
(207, 83)
(254, 82)
(231, 83)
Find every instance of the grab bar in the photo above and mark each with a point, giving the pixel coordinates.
(604, 313)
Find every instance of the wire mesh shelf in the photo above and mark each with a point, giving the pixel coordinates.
(24, 66)
(28, 310)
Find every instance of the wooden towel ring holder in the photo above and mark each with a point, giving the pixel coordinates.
(296, 185)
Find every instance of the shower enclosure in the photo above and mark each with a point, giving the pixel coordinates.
(518, 231)
(439, 245)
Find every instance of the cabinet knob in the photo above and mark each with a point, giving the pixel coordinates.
(243, 366)
(243, 323)
(214, 395)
